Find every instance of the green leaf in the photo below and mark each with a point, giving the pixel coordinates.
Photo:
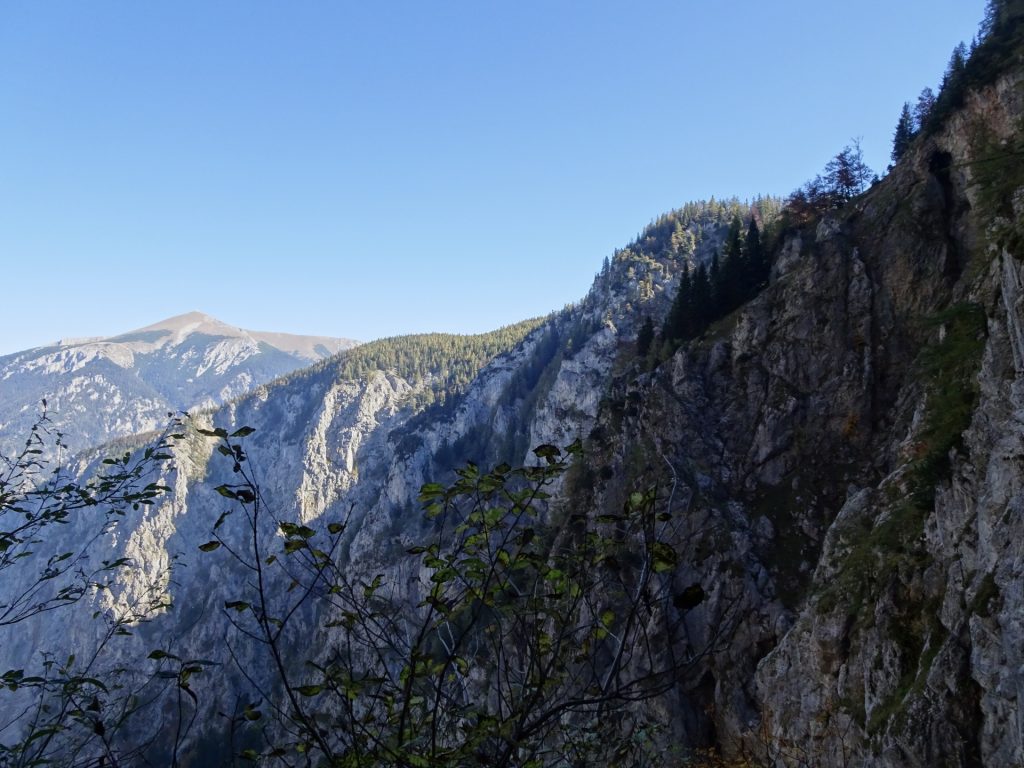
(430, 491)
(544, 642)
(469, 472)
(238, 605)
(302, 531)
(665, 558)
(369, 589)
(209, 546)
(335, 528)
(689, 598)
(43, 732)
(443, 575)
(158, 654)
(243, 432)
(309, 690)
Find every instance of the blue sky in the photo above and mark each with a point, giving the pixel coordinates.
(366, 169)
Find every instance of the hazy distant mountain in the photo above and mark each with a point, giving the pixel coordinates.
(100, 388)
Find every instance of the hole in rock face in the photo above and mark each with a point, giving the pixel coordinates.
(939, 166)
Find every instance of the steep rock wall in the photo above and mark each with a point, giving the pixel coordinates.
(868, 553)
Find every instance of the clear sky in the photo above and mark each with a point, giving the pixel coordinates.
(366, 169)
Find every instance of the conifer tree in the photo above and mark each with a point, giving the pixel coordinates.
(954, 70)
(756, 258)
(731, 287)
(682, 240)
(733, 242)
(716, 280)
(703, 308)
(923, 108)
(645, 337)
(1000, 17)
(904, 133)
(680, 317)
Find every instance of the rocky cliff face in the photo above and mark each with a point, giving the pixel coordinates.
(850, 443)
(909, 631)
(100, 389)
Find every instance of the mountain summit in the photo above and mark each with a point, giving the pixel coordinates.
(176, 329)
(109, 387)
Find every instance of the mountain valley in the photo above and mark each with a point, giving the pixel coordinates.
(789, 432)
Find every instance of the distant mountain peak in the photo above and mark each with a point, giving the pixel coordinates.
(99, 388)
(184, 325)
(176, 329)
(75, 341)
